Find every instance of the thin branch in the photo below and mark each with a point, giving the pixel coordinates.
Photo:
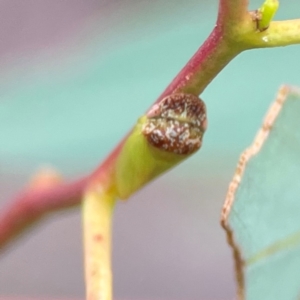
(31, 205)
(216, 52)
(235, 31)
(232, 12)
(203, 67)
(97, 218)
(280, 33)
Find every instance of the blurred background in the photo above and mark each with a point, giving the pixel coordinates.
(74, 77)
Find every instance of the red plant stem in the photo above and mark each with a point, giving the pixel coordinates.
(216, 52)
(30, 206)
(203, 67)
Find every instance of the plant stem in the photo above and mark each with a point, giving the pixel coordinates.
(97, 217)
(32, 205)
(216, 52)
(232, 12)
(279, 33)
(209, 60)
(235, 31)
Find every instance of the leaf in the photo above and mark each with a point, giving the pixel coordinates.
(261, 214)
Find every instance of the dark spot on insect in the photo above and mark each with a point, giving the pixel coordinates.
(176, 124)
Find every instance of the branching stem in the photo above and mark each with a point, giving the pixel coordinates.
(32, 205)
(236, 30)
(279, 33)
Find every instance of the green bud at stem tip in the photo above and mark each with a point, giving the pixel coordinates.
(266, 13)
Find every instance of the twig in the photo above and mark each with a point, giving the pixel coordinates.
(31, 205)
(97, 217)
(235, 31)
(216, 52)
(232, 12)
(279, 33)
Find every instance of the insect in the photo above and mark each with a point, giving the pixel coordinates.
(177, 124)
(171, 131)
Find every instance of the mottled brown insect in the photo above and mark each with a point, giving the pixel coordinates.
(176, 124)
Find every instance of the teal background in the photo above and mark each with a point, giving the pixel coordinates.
(74, 77)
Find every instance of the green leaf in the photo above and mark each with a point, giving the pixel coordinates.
(262, 211)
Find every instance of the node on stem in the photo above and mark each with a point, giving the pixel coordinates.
(169, 133)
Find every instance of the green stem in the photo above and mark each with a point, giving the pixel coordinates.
(267, 12)
(97, 217)
(232, 12)
(279, 33)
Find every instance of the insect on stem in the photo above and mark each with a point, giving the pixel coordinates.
(177, 124)
(171, 131)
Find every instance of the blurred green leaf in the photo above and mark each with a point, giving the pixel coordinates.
(261, 214)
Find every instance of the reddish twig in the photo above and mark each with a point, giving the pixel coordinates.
(212, 56)
(31, 205)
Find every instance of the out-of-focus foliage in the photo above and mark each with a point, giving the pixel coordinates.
(264, 217)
